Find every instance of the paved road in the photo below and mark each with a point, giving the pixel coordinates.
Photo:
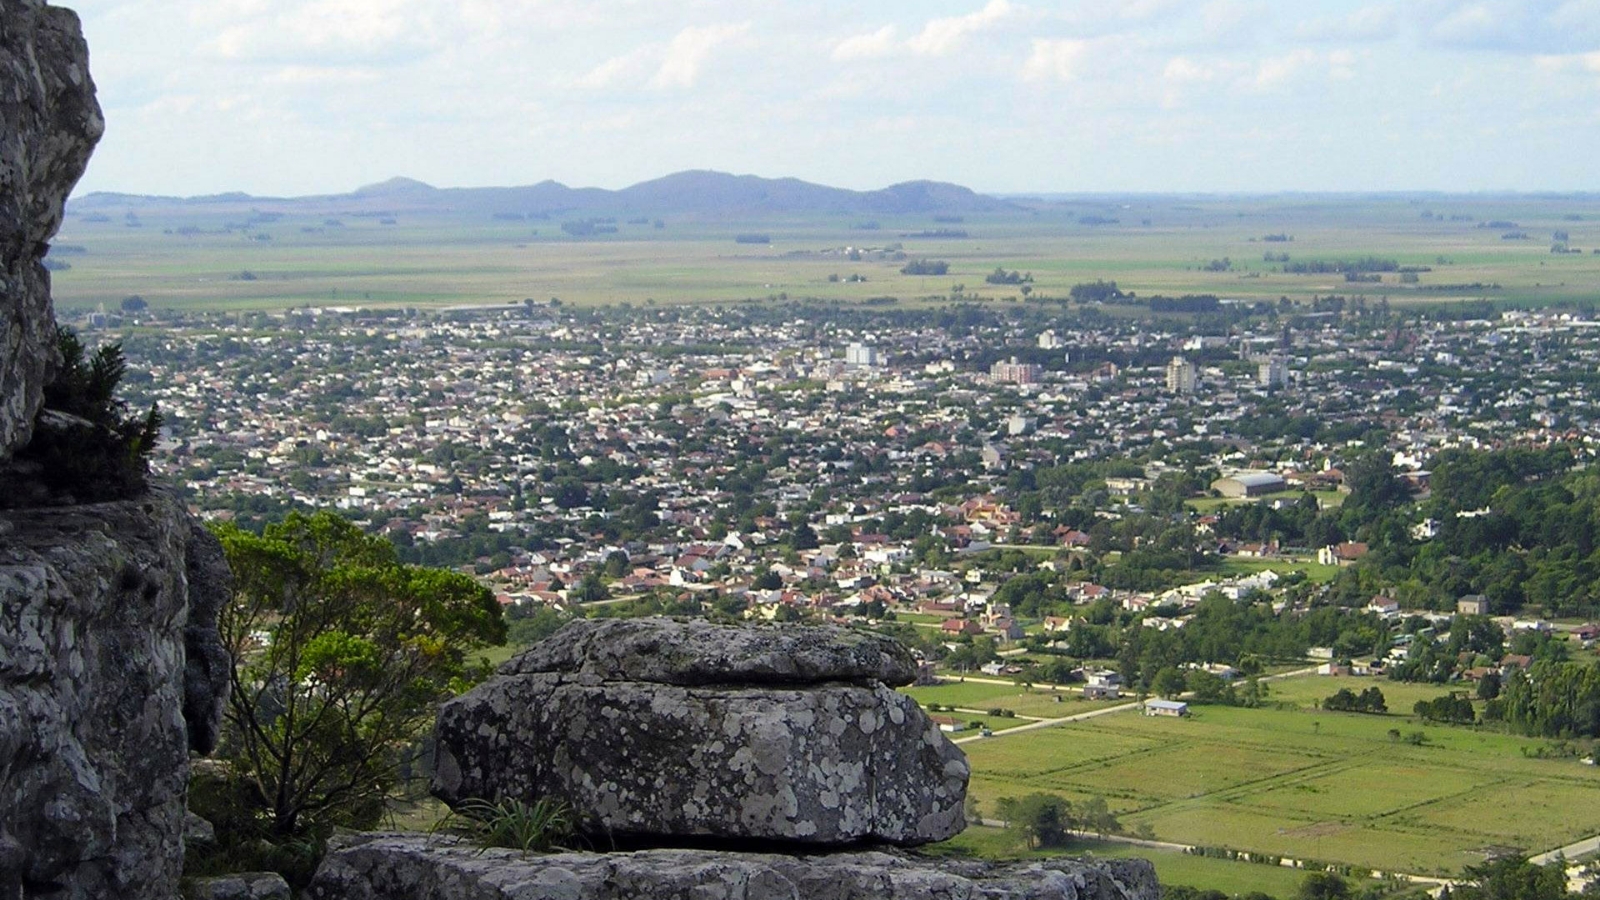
(1104, 711)
(1570, 851)
(1046, 723)
(1432, 882)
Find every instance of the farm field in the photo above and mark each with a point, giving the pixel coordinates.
(1172, 867)
(1039, 703)
(259, 253)
(1293, 781)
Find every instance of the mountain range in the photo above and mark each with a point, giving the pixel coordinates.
(699, 193)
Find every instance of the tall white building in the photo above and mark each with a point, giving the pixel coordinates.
(1182, 376)
(859, 354)
(1273, 371)
(1049, 340)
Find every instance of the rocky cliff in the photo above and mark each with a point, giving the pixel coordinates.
(52, 123)
(111, 668)
(96, 624)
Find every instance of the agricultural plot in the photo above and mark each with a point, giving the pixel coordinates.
(220, 256)
(1294, 781)
(1041, 702)
(1172, 867)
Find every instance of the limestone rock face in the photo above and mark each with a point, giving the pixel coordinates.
(414, 867)
(51, 123)
(94, 747)
(662, 731)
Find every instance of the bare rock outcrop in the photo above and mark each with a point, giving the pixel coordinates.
(417, 867)
(96, 609)
(51, 124)
(668, 732)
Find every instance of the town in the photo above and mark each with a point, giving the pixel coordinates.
(800, 459)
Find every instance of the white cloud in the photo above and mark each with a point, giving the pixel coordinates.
(331, 30)
(1055, 59)
(1342, 65)
(630, 67)
(688, 52)
(1276, 70)
(323, 76)
(1569, 62)
(1181, 70)
(872, 45)
(1471, 23)
(941, 36)
(1369, 23)
(1228, 21)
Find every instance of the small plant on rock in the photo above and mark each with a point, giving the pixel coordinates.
(86, 446)
(536, 827)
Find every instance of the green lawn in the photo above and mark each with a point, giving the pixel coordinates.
(1295, 781)
(1314, 570)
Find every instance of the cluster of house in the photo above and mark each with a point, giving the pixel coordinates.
(441, 427)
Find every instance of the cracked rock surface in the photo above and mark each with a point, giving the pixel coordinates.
(660, 731)
(51, 123)
(414, 867)
(96, 609)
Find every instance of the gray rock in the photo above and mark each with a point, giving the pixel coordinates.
(663, 651)
(414, 867)
(836, 763)
(238, 886)
(52, 123)
(94, 748)
(197, 832)
(207, 665)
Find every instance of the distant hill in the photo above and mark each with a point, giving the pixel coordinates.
(699, 193)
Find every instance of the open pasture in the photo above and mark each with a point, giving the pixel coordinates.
(264, 254)
(1040, 702)
(1172, 867)
(1307, 784)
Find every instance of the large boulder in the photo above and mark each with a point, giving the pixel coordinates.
(415, 867)
(659, 731)
(95, 615)
(52, 123)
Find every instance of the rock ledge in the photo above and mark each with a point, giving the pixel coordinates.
(685, 733)
(417, 867)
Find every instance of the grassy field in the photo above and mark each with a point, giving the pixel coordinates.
(199, 256)
(1172, 867)
(1041, 702)
(1314, 570)
(1299, 782)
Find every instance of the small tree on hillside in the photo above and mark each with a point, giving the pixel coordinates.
(341, 655)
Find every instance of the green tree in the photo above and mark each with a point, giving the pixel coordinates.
(591, 589)
(1322, 886)
(1168, 683)
(1513, 878)
(1037, 820)
(342, 655)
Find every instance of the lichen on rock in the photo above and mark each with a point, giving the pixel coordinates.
(415, 867)
(662, 731)
(95, 612)
(52, 123)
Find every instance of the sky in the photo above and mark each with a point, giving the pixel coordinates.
(291, 97)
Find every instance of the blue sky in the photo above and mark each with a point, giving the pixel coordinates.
(315, 96)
